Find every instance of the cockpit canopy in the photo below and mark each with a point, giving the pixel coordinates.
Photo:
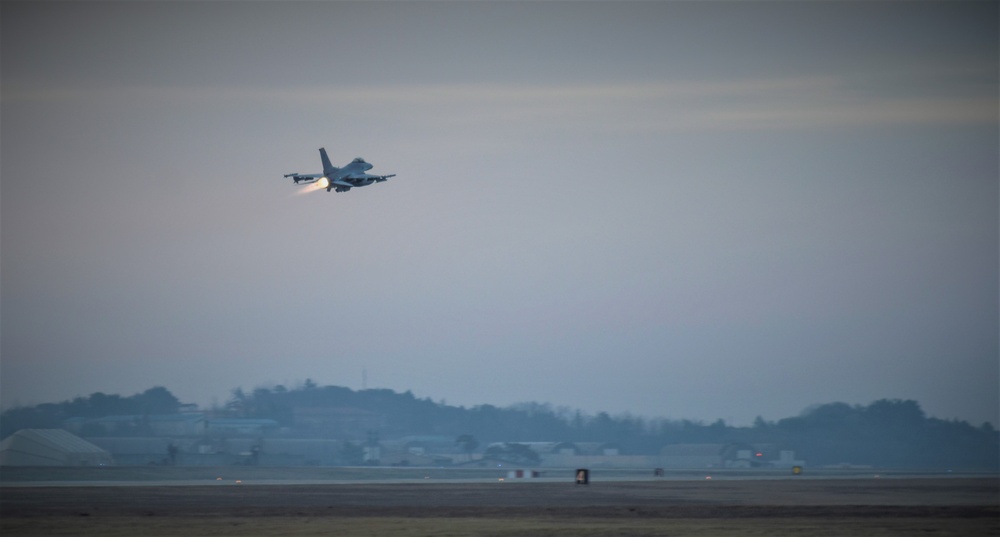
(358, 160)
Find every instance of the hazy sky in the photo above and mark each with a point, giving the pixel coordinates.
(682, 210)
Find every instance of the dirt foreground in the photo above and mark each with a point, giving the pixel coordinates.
(774, 507)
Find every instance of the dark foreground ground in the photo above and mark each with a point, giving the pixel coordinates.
(775, 507)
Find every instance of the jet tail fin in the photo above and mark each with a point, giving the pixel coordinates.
(328, 169)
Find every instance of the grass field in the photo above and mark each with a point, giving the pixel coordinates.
(500, 527)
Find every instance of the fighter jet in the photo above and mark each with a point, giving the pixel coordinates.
(341, 179)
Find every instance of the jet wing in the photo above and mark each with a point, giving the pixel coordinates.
(345, 183)
(367, 177)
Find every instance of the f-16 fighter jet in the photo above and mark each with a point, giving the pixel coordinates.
(341, 179)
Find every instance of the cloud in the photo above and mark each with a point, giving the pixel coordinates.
(928, 111)
(778, 103)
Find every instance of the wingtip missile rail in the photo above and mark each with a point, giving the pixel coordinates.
(296, 178)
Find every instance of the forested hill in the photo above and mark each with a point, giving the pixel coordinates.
(892, 433)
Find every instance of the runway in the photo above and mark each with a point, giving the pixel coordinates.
(547, 506)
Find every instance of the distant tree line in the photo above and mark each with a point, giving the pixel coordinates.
(888, 433)
(157, 400)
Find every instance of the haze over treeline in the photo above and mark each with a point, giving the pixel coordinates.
(887, 432)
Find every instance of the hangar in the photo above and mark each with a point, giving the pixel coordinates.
(50, 447)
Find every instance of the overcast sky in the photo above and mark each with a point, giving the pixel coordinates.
(682, 210)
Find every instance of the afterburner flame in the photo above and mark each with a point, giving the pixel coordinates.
(313, 187)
